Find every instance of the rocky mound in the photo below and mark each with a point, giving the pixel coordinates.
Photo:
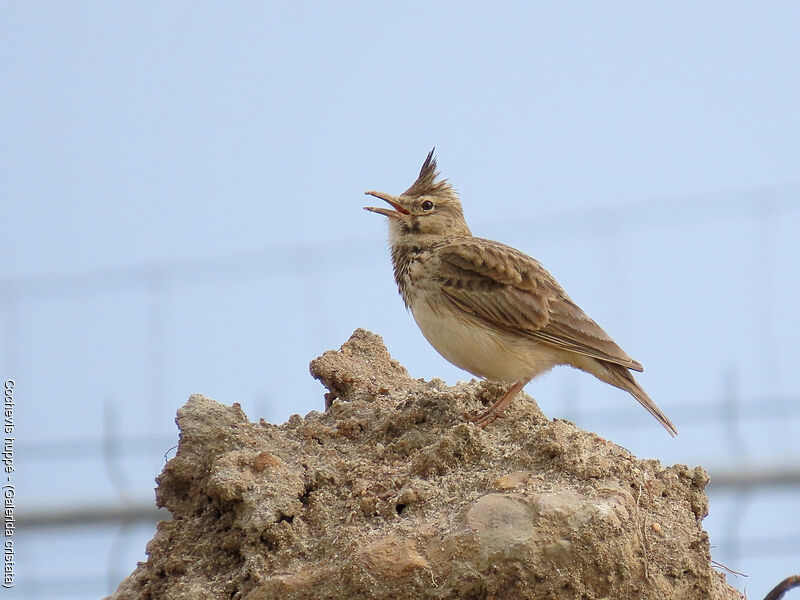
(390, 494)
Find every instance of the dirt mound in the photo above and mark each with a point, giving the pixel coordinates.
(390, 494)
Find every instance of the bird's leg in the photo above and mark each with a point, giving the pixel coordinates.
(496, 410)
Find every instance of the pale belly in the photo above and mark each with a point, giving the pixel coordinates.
(480, 350)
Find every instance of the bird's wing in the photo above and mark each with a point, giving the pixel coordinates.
(511, 291)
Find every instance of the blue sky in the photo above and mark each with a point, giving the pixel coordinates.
(181, 188)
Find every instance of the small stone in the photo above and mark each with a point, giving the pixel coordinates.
(392, 557)
(264, 460)
(511, 480)
(656, 528)
(501, 512)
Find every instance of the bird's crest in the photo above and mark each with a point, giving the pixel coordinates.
(426, 184)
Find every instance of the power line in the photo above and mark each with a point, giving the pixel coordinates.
(84, 515)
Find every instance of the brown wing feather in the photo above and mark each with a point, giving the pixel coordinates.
(512, 291)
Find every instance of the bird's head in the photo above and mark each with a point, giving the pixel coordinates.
(428, 211)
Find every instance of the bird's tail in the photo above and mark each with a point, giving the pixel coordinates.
(621, 377)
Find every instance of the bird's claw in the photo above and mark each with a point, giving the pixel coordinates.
(483, 419)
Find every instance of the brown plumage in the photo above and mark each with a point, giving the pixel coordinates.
(489, 308)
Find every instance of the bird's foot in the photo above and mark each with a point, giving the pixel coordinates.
(485, 418)
(497, 409)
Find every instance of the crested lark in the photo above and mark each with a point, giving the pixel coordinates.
(489, 308)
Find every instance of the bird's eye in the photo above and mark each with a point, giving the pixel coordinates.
(427, 205)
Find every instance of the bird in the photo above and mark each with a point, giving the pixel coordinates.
(488, 308)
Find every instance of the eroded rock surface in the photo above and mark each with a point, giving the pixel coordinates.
(389, 494)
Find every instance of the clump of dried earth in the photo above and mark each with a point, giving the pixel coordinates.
(390, 494)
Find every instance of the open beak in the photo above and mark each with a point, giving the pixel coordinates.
(394, 201)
